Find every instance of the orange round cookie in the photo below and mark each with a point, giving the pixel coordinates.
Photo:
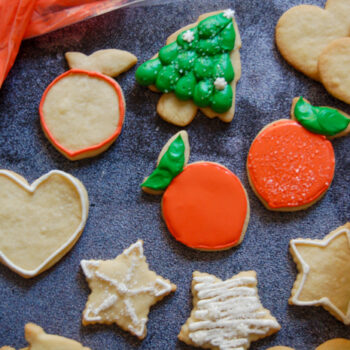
(290, 168)
(335, 344)
(206, 207)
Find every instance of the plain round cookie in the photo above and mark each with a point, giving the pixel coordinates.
(334, 68)
(303, 32)
(335, 344)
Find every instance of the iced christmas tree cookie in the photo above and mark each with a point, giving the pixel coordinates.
(226, 314)
(197, 69)
(82, 111)
(291, 162)
(204, 205)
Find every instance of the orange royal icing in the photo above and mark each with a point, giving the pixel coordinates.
(290, 166)
(205, 207)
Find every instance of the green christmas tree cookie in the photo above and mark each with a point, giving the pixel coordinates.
(198, 68)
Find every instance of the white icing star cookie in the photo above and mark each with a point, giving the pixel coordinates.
(123, 290)
(226, 314)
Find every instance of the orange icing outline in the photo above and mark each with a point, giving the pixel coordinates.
(116, 133)
(239, 196)
(261, 191)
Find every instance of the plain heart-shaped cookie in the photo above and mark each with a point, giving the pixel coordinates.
(334, 68)
(39, 223)
(304, 31)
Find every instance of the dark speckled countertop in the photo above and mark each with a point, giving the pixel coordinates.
(120, 213)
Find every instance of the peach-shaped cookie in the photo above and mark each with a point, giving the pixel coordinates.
(41, 222)
(290, 162)
(82, 113)
(205, 206)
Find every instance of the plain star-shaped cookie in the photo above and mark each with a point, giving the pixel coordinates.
(123, 290)
(324, 273)
(226, 314)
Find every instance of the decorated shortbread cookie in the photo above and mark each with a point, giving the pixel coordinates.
(324, 272)
(335, 344)
(39, 340)
(123, 290)
(82, 111)
(290, 162)
(316, 42)
(40, 222)
(197, 69)
(205, 206)
(226, 314)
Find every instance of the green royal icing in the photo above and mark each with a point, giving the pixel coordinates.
(320, 120)
(170, 165)
(190, 68)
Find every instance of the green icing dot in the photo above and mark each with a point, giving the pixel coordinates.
(190, 68)
(223, 68)
(320, 120)
(170, 165)
(212, 25)
(185, 61)
(227, 37)
(185, 86)
(202, 93)
(167, 79)
(168, 53)
(203, 67)
(220, 100)
(147, 73)
(209, 47)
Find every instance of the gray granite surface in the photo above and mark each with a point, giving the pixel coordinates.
(120, 213)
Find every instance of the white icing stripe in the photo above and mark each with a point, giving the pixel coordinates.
(227, 313)
(108, 302)
(31, 188)
(86, 264)
(306, 269)
(135, 248)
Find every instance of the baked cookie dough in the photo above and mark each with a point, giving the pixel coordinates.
(204, 205)
(197, 69)
(40, 222)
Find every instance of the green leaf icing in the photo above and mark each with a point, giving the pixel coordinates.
(170, 165)
(320, 120)
(197, 57)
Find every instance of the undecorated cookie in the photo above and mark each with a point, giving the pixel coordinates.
(323, 273)
(198, 68)
(204, 205)
(123, 290)
(39, 340)
(334, 68)
(335, 344)
(40, 222)
(226, 314)
(304, 31)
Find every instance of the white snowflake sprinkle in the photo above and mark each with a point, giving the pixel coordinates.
(188, 36)
(229, 13)
(220, 83)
